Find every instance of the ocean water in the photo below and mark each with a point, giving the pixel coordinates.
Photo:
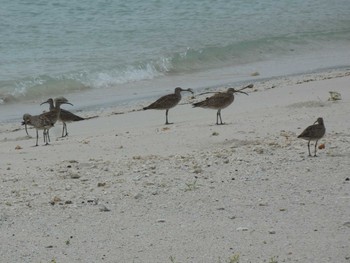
(111, 50)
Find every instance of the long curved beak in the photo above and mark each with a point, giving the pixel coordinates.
(68, 103)
(242, 92)
(246, 87)
(44, 102)
(249, 86)
(190, 90)
(25, 127)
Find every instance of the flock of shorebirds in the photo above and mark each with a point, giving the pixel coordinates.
(218, 101)
(47, 120)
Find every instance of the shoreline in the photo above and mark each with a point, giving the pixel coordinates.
(124, 187)
(123, 100)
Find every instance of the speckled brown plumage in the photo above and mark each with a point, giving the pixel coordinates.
(39, 122)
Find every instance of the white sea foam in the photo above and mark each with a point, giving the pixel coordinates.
(111, 45)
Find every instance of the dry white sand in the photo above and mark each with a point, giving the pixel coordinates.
(126, 188)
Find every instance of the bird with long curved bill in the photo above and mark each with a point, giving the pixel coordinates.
(219, 101)
(167, 102)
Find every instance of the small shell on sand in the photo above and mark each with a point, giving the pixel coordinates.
(334, 96)
(321, 146)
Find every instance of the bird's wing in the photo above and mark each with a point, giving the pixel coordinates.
(164, 102)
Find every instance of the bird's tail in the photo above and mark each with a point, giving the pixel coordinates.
(78, 118)
(198, 104)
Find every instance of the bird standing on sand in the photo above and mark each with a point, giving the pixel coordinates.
(313, 133)
(220, 101)
(167, 102)
(65, 116)
(39, 122)
(46, 120)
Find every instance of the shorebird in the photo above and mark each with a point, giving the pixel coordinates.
(65, 117)
(167, 102)
(46, 120)
(313, 133)
(39, 122)
(219, 101)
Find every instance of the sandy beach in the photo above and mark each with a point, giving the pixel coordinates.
(123, 187)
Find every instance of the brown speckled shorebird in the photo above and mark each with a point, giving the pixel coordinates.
(46, 120)
(65, 117)
(167, 102)
(313, 133)
(220, 101)
(39, 122)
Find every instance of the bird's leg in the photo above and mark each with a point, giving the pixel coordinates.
(166, 117)
(48, 135)
(315, 148)
(65, 126)
(308, 147)
(218, 116)
(45, 137)
(64, 129)
(37, 137)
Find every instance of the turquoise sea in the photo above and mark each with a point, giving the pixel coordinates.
(107, 51)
